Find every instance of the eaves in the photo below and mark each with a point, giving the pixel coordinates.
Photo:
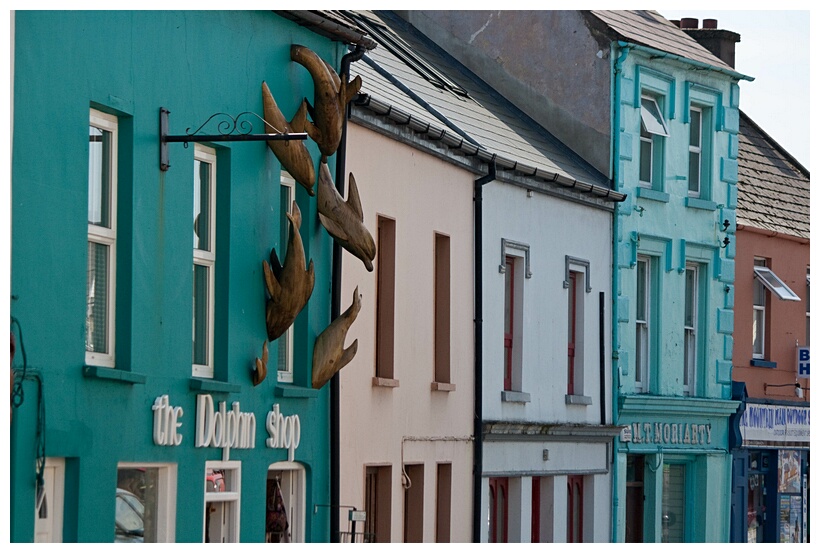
(369, 111)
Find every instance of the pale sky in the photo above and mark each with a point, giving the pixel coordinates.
(774, 49)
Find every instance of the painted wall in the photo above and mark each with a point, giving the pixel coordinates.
(410, 423)
(130, 64)
(789, 259)
(553, 229)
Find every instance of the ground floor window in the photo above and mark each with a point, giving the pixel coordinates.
(48, 502)
(673, 521)
(285, 503)
(634, 498)
(377, 503)
(145, 503)
(499, 508)
(222, 494)
(575, 509)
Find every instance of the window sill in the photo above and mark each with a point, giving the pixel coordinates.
(763, 363)
(650, 194)
(119, 375)
(379, 382)
(442, 387)
(515, 397)
(208, 385)
(697, 203)
(289, 390)
(571, 399)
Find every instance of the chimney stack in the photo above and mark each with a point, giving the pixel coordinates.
(720, 42)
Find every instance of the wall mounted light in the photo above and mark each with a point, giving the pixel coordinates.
(725, 242)
(725, 224)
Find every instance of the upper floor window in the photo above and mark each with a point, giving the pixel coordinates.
(204, 255)
(642, 323)
(287, 194)
(654, 131)
(690, 328)
(766, 282)
(102, 239)
(385, 297)
(442, 308)
(808, 306)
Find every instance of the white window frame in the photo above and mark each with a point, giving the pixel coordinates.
(690, 331)
(107, 236)
(286, 340)
(643, 326)
(231, 496)
(207, 259)
(759, 311)
(166, 498)
(294, 495)
(696, 149)
(653, 129)
(520, 254)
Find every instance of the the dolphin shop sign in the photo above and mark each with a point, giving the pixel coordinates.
(775, 424)
(223, 428)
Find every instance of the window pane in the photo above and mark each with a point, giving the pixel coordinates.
(757, 331)
(137, 505)
(694, 171)
(646, 161)
(673, 505)
(651, 117)
(689, 307)
(641, 292)
(694, 128)
(99, 177)
(202, 205)
(200, 352)
(96, 324)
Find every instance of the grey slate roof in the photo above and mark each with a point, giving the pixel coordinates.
(649, 28)
(773, 188)
(480, 122)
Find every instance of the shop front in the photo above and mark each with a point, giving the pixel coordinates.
(771, 474)
(673, 467)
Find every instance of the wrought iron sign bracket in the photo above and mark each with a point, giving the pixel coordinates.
(231, 129)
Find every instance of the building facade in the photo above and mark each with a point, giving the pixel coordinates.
(658, 114)
(145, 405)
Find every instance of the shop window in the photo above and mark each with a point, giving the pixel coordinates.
(673, 509)
(575, 509)
(102, 240)
(145, 506)
(287, 194)
(48, 503)
(413, 480)
(499, 507)
(535, 511)
(222, 501)
(285, 503)
(653, 134)
(385, 297)
(444, 483)
(377, 503)
(204, 265)
(442, 308)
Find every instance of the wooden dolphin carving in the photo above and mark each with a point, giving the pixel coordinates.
(344, 221)
(289, 286)
(292, 154)
(330, 97)
(259, 373)
(328, 355)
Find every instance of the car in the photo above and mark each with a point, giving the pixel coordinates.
(214, 481)
(129, 518)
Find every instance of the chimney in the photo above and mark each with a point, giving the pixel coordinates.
(720, 42)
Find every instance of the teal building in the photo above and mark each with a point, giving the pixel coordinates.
(138, 296)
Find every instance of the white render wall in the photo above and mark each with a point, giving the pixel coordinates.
(382, 425)
(553, 228)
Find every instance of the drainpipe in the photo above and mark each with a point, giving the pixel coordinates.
(616, 278)
(478, 443)
(335, 307)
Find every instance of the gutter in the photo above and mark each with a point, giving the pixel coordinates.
(478, 328)
(320, 23)
(466, 147)
(773, 234)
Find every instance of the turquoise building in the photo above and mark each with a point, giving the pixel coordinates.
(138, 414)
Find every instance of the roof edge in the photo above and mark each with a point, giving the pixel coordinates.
(665, 54)
(324, 25)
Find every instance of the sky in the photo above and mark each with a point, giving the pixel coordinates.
(774, 48)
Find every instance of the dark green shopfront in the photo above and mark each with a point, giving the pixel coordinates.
(121, 429)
